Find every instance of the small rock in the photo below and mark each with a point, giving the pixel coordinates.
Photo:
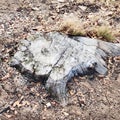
(15, 112)
(61, 0)
(65, 113)
(48, 105)
(83, 8)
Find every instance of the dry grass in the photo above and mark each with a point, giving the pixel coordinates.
(105, 33)
(101, 32)
(72, 25)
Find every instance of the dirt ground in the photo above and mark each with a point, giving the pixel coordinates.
(89, 99)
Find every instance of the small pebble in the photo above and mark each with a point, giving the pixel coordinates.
(65, 113)
(48, 105)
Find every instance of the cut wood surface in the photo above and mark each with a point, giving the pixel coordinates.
(57, 58)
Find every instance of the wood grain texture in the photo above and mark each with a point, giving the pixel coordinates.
(57, 58)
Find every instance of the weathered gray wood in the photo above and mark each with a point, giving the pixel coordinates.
(57, 58)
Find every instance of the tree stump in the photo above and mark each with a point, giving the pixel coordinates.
(55, 59)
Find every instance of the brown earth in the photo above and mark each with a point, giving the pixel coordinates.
(96, 99)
